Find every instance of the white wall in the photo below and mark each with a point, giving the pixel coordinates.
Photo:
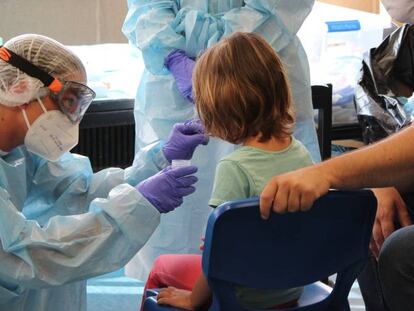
(68, 21)
(371, 6)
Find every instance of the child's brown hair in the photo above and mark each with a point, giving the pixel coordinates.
(241, 90)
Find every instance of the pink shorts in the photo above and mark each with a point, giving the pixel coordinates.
(180, 271)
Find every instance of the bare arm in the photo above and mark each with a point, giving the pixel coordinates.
(387, 163)
(201, 293)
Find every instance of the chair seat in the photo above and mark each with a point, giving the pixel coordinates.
(312, 293)
(151, 292)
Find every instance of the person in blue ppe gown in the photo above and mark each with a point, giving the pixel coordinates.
(159, 28)
(60, 223)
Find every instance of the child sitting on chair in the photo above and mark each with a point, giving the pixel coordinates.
(242, 95)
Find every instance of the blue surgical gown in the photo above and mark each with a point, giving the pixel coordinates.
(60, 224)
(157, 27)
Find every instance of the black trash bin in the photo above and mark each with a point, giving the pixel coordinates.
(386, 80)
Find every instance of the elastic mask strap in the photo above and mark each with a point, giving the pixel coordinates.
(41, 104)
(26, 119)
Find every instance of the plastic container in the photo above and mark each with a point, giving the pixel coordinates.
(335, 39)
(180, 163)
(331, 29)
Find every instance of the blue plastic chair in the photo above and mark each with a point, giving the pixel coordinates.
(289, 250)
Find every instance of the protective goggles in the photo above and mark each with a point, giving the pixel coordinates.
(72, 97)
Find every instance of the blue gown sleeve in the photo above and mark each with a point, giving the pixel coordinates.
(149, 25)
(77, 247)
(276, 20)
(148, 161)
(158, 27)
(71, 185)
(74, 224)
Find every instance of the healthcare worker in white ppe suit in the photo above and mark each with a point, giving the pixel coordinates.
(161, 27)
(60, 223)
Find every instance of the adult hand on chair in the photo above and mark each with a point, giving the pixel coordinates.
(294, 191)
(181, 67)
(390, 208)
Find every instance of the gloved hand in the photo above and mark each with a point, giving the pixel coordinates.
(183, 140)
(166, 189)
(181, 67)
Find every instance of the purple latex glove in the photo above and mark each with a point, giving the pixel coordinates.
(166, 189)
(183, 140)
(181, 67)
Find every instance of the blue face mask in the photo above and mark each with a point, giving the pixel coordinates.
(3, 153)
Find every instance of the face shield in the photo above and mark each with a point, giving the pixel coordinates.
(73, 98)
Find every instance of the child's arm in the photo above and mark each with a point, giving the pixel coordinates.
(201, 293)
(185, 299)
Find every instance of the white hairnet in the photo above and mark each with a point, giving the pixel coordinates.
(16, 87)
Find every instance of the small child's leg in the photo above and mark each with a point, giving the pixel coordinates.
(180, 271)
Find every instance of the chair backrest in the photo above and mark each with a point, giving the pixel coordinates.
(322, 101)
(288, 250)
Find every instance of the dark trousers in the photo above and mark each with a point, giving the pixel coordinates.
(388, 284)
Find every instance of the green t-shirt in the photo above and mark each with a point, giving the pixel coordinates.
(243, 174)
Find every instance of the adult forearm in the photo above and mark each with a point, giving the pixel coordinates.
(387, 163)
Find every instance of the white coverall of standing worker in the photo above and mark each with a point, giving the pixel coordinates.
(60, 224)
(159, 27)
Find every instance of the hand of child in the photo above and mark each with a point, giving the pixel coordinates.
(201, 247)
(175, 297)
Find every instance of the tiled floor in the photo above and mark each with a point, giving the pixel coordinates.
(355, 299)
(114, 292)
